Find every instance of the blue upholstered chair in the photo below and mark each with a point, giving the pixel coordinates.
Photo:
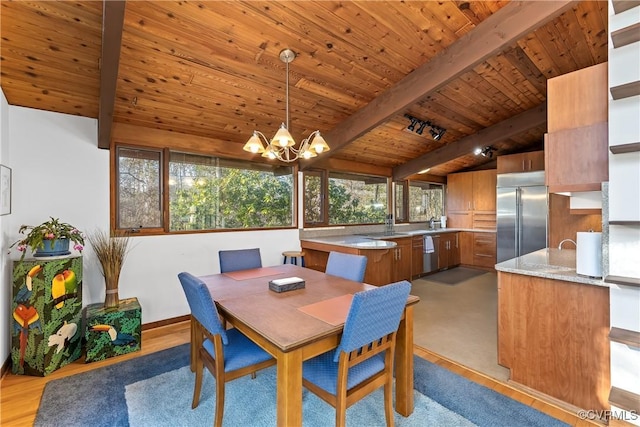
(239, 259)
(363, 361)
(227, 354)
(347, 266)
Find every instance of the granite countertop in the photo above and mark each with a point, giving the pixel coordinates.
(376, 239)
(549, 263)
(353, 242)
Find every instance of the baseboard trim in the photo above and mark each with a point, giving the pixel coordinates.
(165, 322)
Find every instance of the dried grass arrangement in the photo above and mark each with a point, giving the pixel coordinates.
(111, 250)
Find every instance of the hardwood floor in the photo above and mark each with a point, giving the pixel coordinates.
(20, 394)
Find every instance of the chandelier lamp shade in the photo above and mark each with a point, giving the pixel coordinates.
(282, 146)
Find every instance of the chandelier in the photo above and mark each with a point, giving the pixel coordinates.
(282, 145)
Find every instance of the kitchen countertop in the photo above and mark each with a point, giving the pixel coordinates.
(351, 241)
(549, 263)
(376, 240)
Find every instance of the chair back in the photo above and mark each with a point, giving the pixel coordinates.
(347, 266)
(239, 259)
(373, 315)
(203, 309)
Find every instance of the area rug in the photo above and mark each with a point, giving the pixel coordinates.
(156, 390)
(454, 276)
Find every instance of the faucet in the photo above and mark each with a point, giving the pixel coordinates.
(566, 240)
(432, 223)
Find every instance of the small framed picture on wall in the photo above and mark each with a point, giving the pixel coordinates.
(5, 190)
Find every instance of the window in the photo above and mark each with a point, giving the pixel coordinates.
(314, 197)
(426, 201)
(352, 199)
(208, 193)
(203, 192)
(139, 188)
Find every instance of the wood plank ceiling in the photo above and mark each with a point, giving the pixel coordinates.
(209, 72)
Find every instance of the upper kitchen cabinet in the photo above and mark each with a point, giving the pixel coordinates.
(459, 191)
(576, 145)
(521, 162)
(471, 196)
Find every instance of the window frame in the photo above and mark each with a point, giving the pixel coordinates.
(325, 176)
(165, 194)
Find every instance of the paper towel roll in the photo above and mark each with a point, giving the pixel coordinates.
(443, 221)
(589, 254)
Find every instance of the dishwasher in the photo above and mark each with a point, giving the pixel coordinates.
(430, 258)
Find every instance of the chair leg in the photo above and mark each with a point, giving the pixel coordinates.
(219, 410)
(253, 375)
(192, 346)
(341, 411)
(198, 386)
(388, 401)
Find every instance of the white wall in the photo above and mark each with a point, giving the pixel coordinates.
(59, 171)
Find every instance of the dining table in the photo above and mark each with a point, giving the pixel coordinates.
(296, 325)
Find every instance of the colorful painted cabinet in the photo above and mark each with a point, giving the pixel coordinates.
(112, 332)
(46, 311)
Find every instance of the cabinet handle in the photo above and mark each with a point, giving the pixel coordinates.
(523, 165)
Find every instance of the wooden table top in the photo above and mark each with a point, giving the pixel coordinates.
(275, 316)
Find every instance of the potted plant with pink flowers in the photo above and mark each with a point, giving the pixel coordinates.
(51, 238)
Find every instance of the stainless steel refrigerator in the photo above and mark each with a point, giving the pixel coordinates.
(522, 214)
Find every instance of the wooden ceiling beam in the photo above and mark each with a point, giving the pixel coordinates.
(493, 134)
(112, 25)
(501, 29)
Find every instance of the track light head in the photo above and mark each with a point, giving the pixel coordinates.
(485, 152)
(435, 131)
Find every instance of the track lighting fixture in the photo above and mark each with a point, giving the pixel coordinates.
(435, 131)
(486, 151)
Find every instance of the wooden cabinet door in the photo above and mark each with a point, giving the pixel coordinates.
(459, 191)
(534, 161)
(401, 269)
(465, 243)
(484, 190)
(578, 99)
(459, 219)
(417, 250)
(448, 251)
(521, 162)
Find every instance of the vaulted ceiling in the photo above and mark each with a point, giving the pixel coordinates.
(209, 73)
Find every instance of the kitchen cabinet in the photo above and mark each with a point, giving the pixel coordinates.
(484, 250)
(401, 259)
(469, 194)
(448, 251)
(521, 162)
(459, 191)
(577, 142)
(417, 251)
(465, 239)
(384, 266)
(553, 336)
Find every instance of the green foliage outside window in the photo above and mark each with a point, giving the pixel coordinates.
(206, 193)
